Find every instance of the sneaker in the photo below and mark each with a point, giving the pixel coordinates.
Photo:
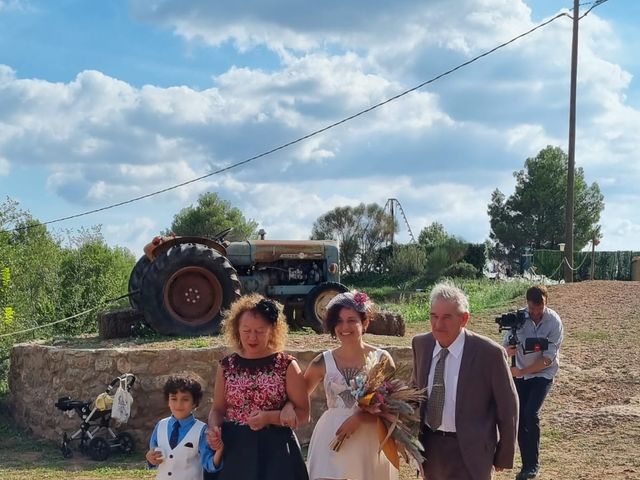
(527, 473)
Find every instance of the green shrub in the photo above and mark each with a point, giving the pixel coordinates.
(460, 270)
(476, 255)
(407, 260)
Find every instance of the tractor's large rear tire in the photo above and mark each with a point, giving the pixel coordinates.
(135, 281)
(315, 305)
(186, 289)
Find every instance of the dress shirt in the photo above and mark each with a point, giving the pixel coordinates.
(206, 453)
(451, 372)
(549, 327)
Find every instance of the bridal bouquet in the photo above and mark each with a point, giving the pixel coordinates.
(379, 390)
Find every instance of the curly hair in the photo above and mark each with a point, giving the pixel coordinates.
(333, 316)
(183, 383)
(254, 303)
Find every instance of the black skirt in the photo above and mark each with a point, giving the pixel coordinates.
(272, 453)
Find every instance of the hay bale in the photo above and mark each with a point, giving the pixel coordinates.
(119, 323)
(387, 323)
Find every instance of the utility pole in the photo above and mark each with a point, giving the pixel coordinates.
(568, 226)
(393, 219)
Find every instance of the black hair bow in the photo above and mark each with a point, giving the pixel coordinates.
(268, 309)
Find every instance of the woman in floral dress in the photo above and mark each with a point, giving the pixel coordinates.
(251, 387)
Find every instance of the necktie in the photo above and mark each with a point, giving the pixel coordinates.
(435, 402)
(173, 439)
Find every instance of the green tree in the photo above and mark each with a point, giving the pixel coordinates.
(444, 254)
(432, 235)
(41, 281)
(210, 216)
(361, 231)
(407, 260)
(89, 275)
(534, 215)
(442, 249)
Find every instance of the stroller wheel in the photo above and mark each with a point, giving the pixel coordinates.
(99, 449)
(125, 441)
(65, 448)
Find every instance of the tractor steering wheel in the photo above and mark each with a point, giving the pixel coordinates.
(219, 237)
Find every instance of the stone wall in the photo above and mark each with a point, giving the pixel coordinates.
(40, 374)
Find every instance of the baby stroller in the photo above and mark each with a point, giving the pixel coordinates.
(96, 417)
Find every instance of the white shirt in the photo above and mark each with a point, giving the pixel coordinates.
(451, 372)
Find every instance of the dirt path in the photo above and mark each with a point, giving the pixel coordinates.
(592, 417)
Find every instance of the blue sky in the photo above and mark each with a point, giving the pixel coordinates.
(104, 101)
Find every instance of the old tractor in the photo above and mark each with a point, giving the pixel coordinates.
(183, 284)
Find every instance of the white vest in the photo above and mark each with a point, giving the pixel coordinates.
(181, 463)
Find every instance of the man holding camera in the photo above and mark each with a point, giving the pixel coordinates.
(536, 366)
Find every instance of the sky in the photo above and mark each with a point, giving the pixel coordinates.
(101, 102)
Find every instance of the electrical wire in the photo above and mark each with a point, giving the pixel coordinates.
(299, 139)
(597, 3)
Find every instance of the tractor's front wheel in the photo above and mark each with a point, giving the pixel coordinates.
(185, 290)
(315, 305)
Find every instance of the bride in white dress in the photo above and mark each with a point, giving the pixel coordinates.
(358, 458)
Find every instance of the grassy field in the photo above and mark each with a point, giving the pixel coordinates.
(484, 295)
(24, 458)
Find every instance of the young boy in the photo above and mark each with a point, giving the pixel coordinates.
(178, 445)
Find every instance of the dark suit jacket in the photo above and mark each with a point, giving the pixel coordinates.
(486, 401)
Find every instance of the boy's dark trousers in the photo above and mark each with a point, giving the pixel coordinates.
(531, 394)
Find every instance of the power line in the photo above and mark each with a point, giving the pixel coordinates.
(300, 139)
(597, 3)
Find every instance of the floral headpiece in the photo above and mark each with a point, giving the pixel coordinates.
(268, 309)
(359, 301)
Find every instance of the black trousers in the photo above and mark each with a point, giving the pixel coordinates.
(531, 394)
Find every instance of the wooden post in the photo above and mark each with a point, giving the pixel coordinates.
(568, 227)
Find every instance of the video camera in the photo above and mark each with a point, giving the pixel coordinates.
(512, 321)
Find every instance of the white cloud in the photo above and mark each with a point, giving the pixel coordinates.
(5, 167)
(15, 5)
(133, 234)
(440, 150)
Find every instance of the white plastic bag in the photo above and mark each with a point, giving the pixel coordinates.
(122, 401)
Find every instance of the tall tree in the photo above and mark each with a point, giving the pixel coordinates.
(534, 214)
(432, 235)
(360, 231)
(210, 216)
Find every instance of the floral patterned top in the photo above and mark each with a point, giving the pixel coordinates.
(254, 384)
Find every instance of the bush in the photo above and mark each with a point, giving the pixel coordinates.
(407, 260)
(476, 255)
(460, 270)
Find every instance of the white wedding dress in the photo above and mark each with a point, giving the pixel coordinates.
(358, 457)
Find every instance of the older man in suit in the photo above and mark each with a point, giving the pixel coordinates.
(469, 421)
